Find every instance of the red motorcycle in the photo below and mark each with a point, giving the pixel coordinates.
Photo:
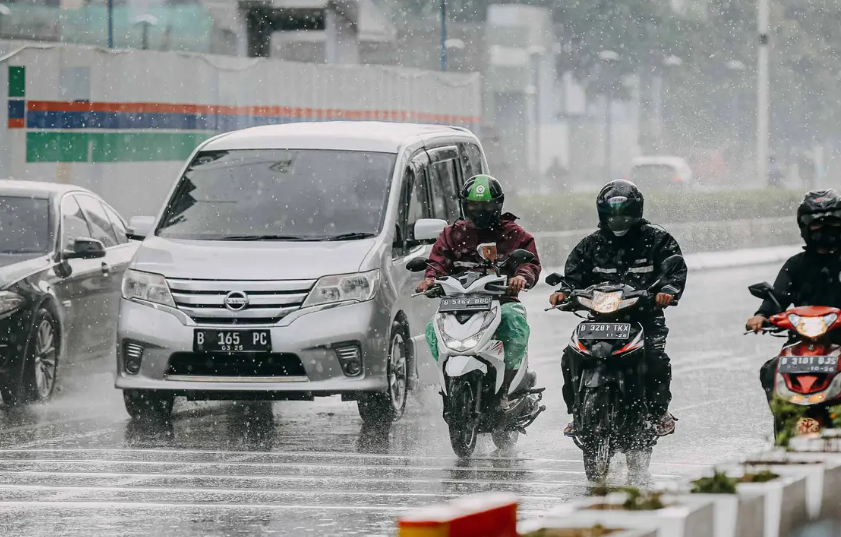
(808, 372)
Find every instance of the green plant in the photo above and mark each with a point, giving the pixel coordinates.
(763, 476)
(595, 531)
(719, 483)
(638, 500)
(786, 416)
(835, 416)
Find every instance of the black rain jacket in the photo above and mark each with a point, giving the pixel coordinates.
(634, 260)
(806, 279)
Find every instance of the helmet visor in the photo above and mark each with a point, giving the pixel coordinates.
(621, 224)
(483, 214)
(809, 218)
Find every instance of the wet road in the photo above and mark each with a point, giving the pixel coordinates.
(78, 466)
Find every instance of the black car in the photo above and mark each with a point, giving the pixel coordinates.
(63, 251)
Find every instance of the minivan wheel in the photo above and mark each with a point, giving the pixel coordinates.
(148, 404)
(387, 407)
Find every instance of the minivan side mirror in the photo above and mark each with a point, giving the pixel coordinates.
(139, 227)
(85, 248)
(429, 229)
(417, 264)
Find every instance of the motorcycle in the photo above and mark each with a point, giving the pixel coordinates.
(807, 372)
(607, 351)
(471, 362)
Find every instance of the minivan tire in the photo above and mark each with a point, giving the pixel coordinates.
(384, 408)
(148, 404)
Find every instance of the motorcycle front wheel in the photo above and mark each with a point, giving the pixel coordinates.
(462, 420)
(597, 461)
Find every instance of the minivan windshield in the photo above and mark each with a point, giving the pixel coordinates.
(273, 194)
(654, 175)
(25, 225)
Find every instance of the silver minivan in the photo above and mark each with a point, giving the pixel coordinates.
(276, 269)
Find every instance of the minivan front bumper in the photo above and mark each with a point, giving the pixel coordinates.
(166, 334)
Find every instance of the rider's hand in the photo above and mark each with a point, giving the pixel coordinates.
(516, 284)
(425, 285)
(663, 299)
(756, 323)
(556, 299)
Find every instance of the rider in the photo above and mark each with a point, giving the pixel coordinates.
(630, 250)
(812, 277)
(456, 248)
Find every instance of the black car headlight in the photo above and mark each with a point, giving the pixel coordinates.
(9, 303)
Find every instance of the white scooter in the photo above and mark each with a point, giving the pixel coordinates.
(471, 362)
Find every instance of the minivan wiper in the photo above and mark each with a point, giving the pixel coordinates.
(350, 236)
(265, 238)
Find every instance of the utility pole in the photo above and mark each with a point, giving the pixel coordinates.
(762, 97)
(110, 23)
(443, 35)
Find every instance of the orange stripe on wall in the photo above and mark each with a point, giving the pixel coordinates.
(263, 111)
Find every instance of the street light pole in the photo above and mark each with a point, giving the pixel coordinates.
(762, 97)
(443, 35)
(608, 58)
(110, 23)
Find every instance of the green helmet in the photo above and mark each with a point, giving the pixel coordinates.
(481, 200)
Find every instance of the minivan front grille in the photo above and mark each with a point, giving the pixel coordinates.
(189, 364)
(239, 302)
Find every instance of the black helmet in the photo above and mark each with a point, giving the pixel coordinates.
(620, 205)
(819, 219)
(481, 200)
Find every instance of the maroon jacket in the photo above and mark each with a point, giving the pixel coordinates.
(458, 244)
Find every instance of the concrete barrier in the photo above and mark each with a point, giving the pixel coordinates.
(480, 515)
(693, 237)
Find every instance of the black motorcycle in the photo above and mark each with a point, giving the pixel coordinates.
(606, 354)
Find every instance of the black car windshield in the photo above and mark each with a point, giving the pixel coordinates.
(262, 194)
(24, 225)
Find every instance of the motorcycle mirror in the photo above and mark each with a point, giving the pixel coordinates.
(554, 279)
(671, 263)
(488, 251)
(417, 264)
(764, 290)
(519, 257)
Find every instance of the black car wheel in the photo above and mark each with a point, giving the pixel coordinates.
(40, 365)
(148, 404)
(387, 407)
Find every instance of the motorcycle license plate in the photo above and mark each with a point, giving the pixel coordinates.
(471, 303)
(808, 364)
(232, 341)
(604, 331)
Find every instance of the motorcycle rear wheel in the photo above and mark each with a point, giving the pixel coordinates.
(638, 463)
(505, 440)
(462, 421)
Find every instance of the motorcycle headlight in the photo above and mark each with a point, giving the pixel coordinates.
(469, 343)
(357, 287)
(812, 326)
(606, 302)
(147, 287)
(628, 302)
(10, 303)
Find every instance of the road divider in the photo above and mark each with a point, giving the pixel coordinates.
(775, 493)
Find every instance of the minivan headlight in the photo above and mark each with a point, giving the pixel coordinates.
(147, 287)
(357, 287)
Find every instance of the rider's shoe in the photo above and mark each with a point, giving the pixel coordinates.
(665, 425)
(569, 430)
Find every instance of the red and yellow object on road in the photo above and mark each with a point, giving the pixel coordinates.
(480, 515)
